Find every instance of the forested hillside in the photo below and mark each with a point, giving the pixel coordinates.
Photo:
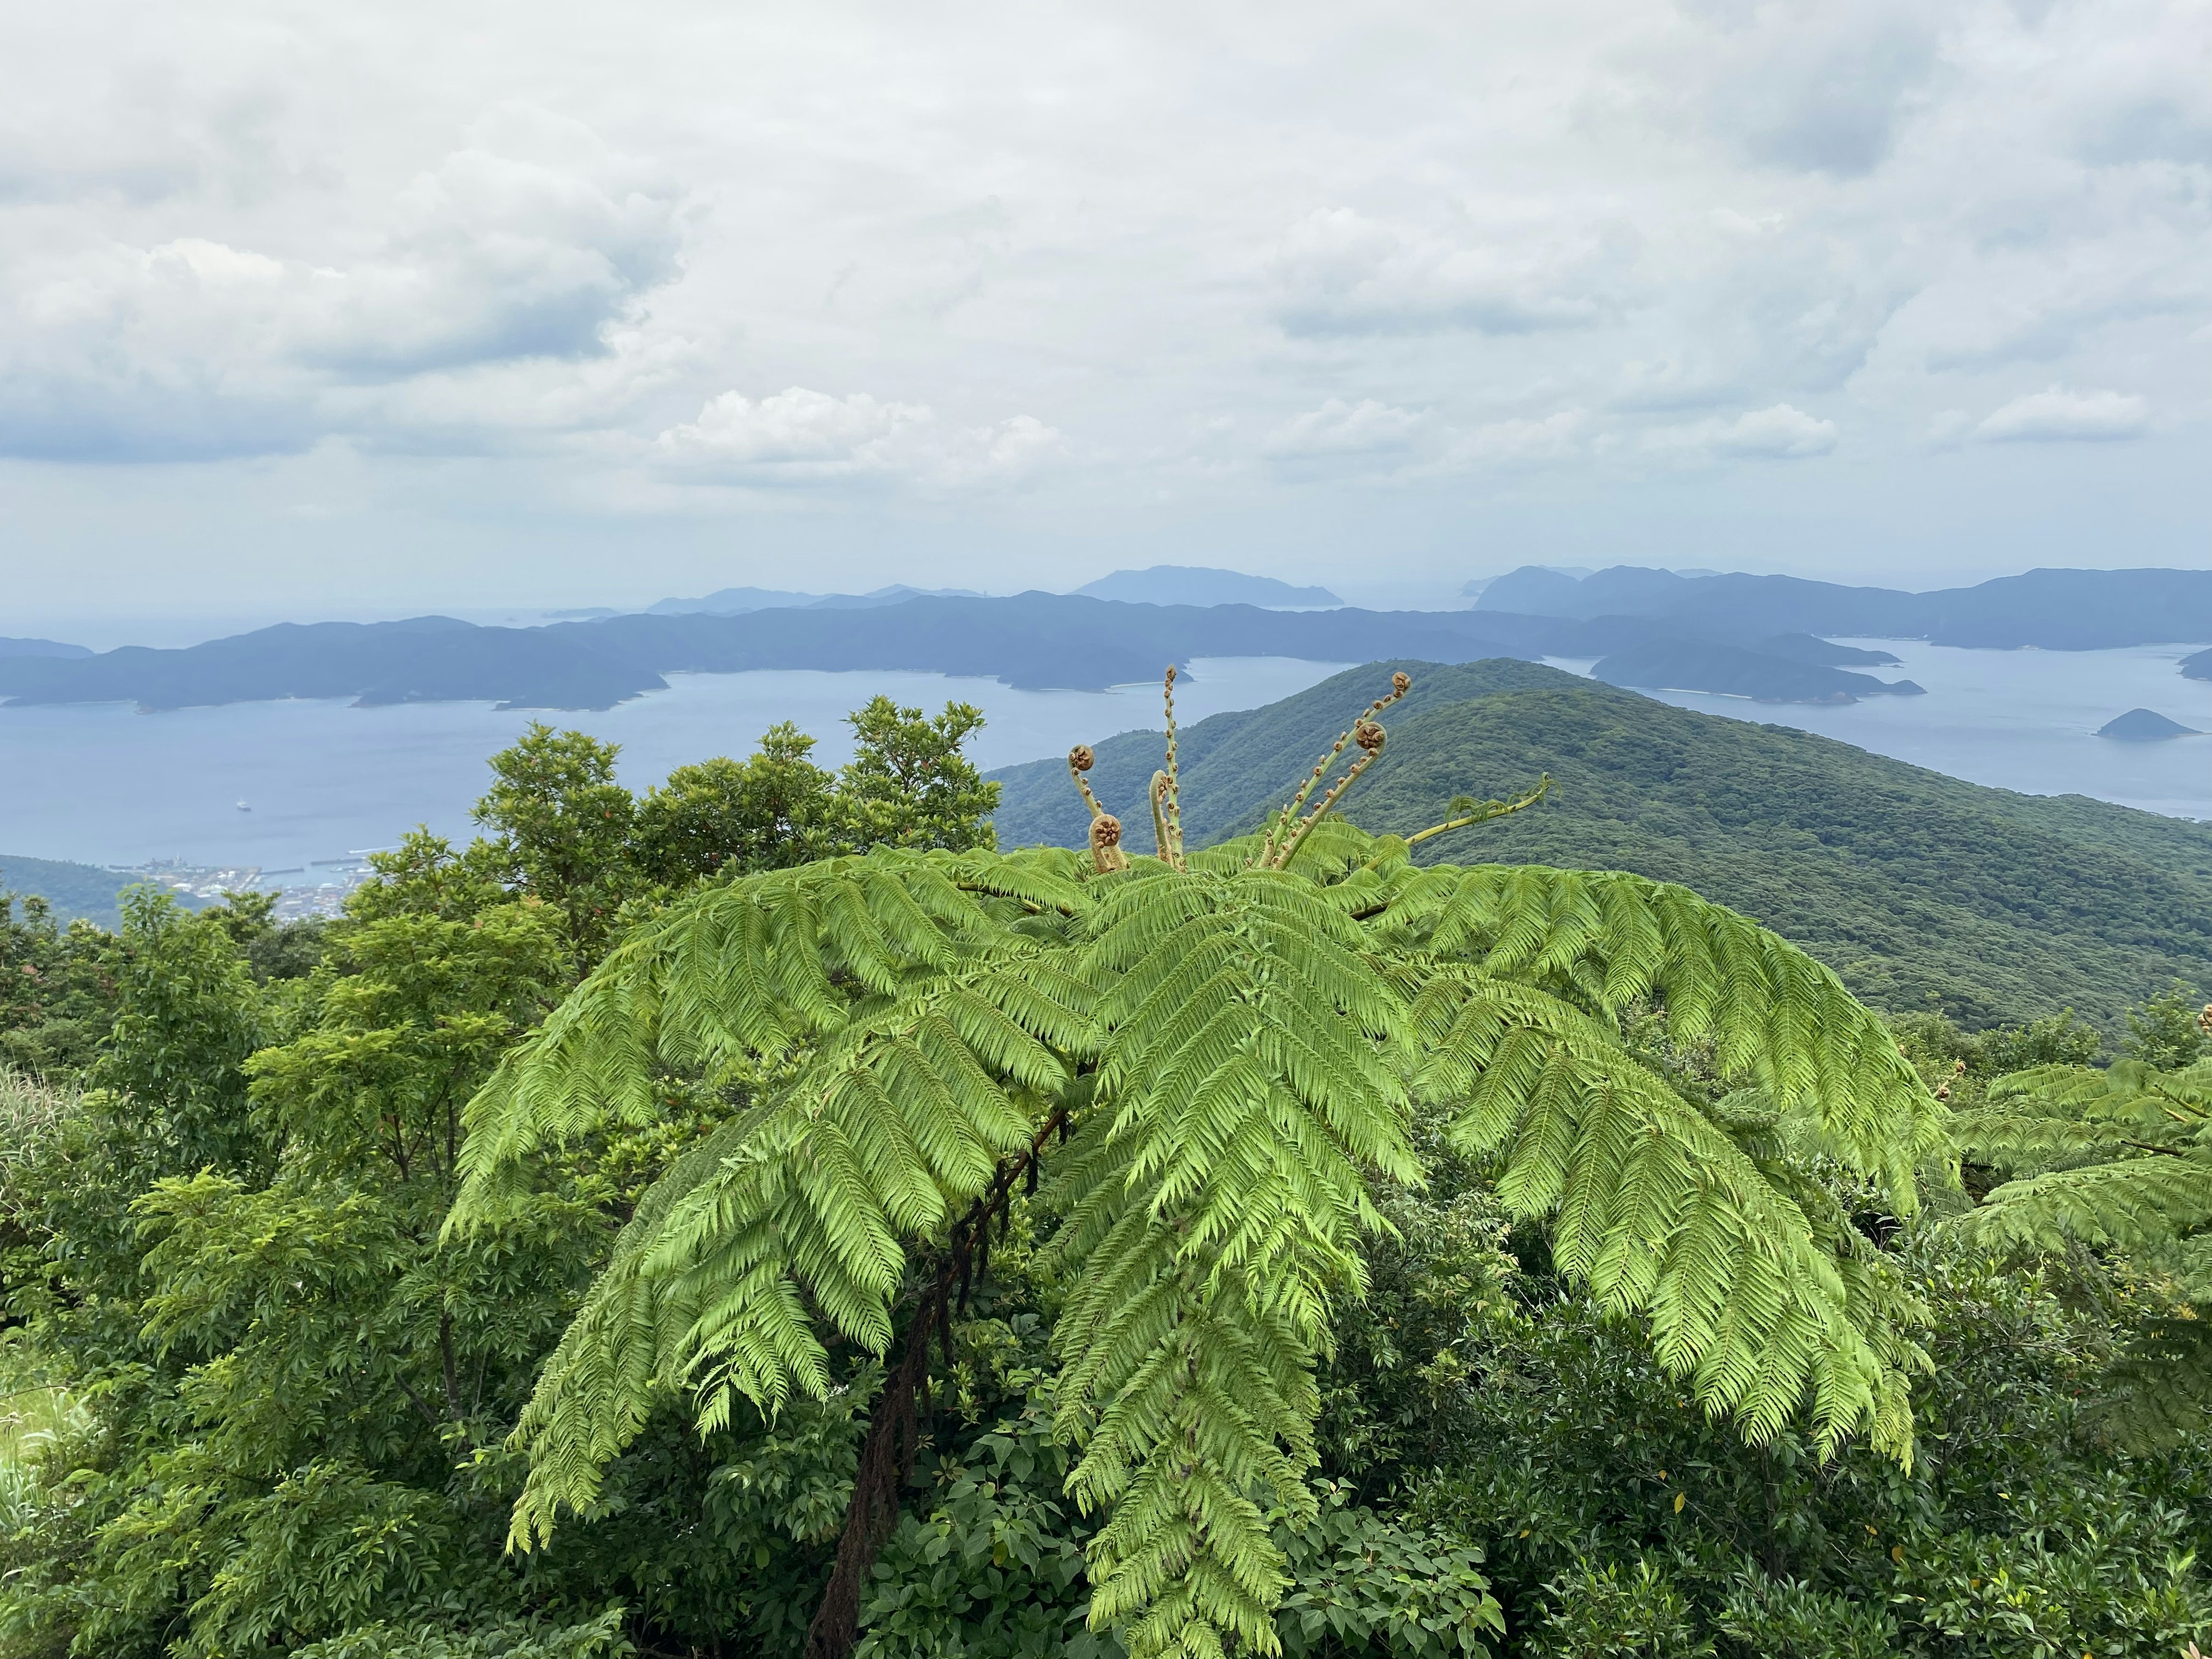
(758, 1218)
(1912, 885)
(73, 890)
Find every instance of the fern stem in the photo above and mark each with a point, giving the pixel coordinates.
(1172, 801)
(894, 1438)
(1488, 811)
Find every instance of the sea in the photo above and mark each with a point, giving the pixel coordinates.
(290, 787)
(293, 786)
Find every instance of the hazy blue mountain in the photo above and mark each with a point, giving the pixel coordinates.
(1037, 640)
(730, 601)
(897, 593)
(1823, 654)
(2145, 725)
(2056, 609)
(41, 648)
(1190, 584)
(1907, 882)
(1732, 671)
(736, 601)
(422, 660)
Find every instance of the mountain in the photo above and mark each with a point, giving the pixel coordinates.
(73, 890)
(1046, 640)
(41, 648)
(422, 660)
(2055, 610)
(2145, 725)
(1190, 584)
(1699, 665)
(736, 601)
(1910, 884)
(1822, 653)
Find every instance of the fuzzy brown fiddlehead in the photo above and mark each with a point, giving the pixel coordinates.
(1106, 853)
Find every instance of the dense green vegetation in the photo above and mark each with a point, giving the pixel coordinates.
(264, 1393)
(1735, 672)
(72, 891)
(1910, 884)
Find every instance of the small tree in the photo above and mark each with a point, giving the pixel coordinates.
(1197, 1062)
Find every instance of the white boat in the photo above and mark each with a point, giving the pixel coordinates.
(243, 807)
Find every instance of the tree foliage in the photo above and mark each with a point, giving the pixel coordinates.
(1263, 1245)
(1211, 1061)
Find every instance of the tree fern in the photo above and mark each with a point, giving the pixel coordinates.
(1206, 1059)
(2119, 1159)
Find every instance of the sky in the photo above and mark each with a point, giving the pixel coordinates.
(376, 310)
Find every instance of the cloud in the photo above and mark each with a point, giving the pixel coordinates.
(2058, 416)
(1340, 273)
(1826, 90)
(1780, 433)
(1338, 427)
(798, 436)
(195, 348)
(1524, 442)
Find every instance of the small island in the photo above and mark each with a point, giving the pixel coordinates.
(2145, 725)
(1731, 672)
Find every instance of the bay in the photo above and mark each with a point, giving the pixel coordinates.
(2018, 720)
(104, 784)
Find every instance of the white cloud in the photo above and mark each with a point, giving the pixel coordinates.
(1338, 427)
(1780, 433)
(194, 347)
(1341, 273)
(2060, 416)
(800, 436)
(1208, 281)
(1554, 438)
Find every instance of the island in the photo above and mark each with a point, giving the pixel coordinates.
(2145, 725)
(1732, 671)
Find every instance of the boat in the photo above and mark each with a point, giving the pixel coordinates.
(243, 807)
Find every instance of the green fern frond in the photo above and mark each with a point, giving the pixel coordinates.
(1231, 1052)
(1660, 1211)
(1776, 1017)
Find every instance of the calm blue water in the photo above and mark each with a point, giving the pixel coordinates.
(2020, 720)
(104, 784)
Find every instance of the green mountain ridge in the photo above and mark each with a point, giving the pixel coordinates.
(1912, 885)
(73, 890)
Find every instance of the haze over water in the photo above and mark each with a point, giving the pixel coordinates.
(104, 784)
(2019, 720)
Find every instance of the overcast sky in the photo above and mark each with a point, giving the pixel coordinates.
(377, 309)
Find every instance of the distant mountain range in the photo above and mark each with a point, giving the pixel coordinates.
(1910, 884)
(1161, 584)
(736, 601)
(2056, 609)
(1761, 637)
(1041, 640)
(41, 648)
(1185, 584)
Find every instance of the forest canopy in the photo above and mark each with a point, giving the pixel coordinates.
(1389, 1142)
